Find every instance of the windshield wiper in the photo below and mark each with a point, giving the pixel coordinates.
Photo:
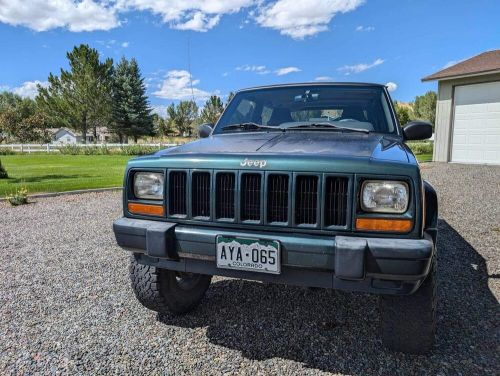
(325, 124)
(248, 125)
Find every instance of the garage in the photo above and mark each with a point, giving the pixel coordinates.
(467, 128)
(476, 123)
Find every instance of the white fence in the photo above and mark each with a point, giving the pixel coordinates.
(49, 148)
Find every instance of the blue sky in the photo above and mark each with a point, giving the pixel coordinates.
(241, 43)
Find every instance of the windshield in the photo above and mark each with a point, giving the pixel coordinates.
(355, 107)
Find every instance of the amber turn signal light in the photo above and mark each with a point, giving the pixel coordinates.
(380, 224)
(145, 209)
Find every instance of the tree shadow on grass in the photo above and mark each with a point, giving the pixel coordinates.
(337, 332)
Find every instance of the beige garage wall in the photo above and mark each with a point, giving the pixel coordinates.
(444, 112)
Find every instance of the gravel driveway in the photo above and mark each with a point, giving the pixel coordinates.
(66, 305)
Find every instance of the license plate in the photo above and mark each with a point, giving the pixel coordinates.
(257, 255)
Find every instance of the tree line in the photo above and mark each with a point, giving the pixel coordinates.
(422, 108)
(93, 93)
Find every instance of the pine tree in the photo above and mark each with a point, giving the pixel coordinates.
(131, 112)
(79, 98)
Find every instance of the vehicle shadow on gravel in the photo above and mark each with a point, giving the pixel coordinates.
(338, 332)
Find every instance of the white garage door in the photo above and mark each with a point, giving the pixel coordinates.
(476, 124)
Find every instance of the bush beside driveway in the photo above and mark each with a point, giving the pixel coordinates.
(66, 305)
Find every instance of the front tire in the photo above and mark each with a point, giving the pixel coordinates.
(167, 291)
(408, 323)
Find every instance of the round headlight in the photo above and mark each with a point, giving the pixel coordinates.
(148, 185)
(384, 196)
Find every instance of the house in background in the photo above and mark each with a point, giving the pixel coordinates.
(64, 136)
(467, 128)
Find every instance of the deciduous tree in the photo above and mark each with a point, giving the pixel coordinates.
(404, 112)
(212, 110)
(183, 117)
(424, 107)
(21, 120)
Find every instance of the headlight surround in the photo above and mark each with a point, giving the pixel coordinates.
(385, 196)
(149, 185)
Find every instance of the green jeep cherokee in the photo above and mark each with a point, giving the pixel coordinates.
(301, 184)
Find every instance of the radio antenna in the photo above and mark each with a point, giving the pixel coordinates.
(189, 67)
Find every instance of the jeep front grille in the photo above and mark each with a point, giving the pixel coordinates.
(177, 193)
(250, 197)
(200, 194)
(317, 201)
(277, 198)
(225, 186)
(336, 201)
(306, 200)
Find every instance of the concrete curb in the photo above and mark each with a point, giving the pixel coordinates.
(67, 193)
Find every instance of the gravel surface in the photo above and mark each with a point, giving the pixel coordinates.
(66, 305)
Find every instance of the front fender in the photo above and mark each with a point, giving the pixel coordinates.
(431, 211)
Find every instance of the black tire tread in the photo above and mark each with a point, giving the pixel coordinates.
(146, 283)
(157, 289)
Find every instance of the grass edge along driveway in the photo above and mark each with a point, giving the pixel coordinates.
(43, 173)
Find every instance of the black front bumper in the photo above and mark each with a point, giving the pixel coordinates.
(378, 265)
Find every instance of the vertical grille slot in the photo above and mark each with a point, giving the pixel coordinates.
(224, 195)
(306, 200)
(336, 201)
(277, 198)
(176, 201)
(250, 197)
(200, 194)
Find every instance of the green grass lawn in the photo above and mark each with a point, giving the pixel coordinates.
(424, 157)
(57, 173)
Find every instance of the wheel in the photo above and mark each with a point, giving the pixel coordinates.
(408, 323)
(166, 291)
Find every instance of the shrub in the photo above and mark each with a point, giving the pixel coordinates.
(3, 172)
(20, 197)
(105, 150)
(139, 150)
(425, 147)
(4, 151)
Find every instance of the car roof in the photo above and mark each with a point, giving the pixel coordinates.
(364, 84)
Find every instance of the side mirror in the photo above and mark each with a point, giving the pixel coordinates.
(205, 130)
(417, 130)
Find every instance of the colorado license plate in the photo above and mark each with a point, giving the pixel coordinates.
(255, 255)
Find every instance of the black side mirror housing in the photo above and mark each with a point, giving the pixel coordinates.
(417, 130)
(205, 130)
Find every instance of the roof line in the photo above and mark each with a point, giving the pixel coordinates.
(477, 73)
(314, 84)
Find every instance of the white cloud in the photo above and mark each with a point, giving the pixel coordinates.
(89, 15)
(323, 78)
(160, 110)
(300, 19)
(391, 86)
(29, 88)
(286, 70)
(42, 15)
(177, 86)
(125, 44)
(358, 68)
(197, 15)
(259, 69)
(365, 28)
